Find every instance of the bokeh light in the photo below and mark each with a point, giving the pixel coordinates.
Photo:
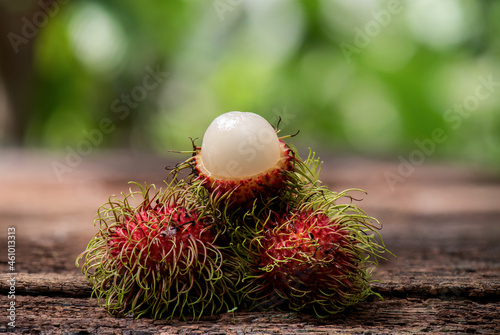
(357, 77)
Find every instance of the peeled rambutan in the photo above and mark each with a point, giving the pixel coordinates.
(316, 256)
(160, 257)
(241, 155)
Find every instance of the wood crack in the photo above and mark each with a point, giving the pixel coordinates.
(75, 285)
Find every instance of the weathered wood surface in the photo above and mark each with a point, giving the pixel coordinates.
(443, 223)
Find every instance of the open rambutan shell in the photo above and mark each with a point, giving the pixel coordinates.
(246, 189)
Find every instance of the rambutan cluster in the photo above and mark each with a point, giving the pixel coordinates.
(236, 233)
(303, 250)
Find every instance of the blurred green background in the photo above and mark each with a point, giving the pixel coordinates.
(357, 77)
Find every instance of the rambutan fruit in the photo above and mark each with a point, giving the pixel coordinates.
(241, 154)
(252, 223)
(160, 257)
(317, 255)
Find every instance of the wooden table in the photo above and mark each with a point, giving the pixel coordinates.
(442, 222)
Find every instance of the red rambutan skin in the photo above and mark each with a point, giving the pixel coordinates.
(245, 190)
(155, 236)
(307, 252)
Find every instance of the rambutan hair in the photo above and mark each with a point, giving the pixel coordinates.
(157, 253)
(311, 254)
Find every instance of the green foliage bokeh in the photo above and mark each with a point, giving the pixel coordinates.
(353, 79)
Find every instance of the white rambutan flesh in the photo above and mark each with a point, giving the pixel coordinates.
(241, 155)
(240, 145)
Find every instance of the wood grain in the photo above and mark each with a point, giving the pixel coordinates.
(442, 223)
